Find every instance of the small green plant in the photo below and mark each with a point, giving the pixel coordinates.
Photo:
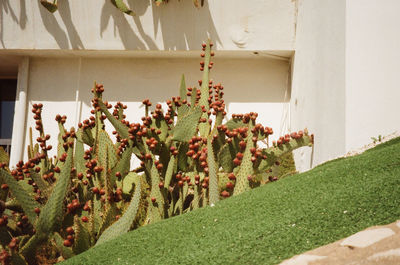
(375, 140)
(88, 194)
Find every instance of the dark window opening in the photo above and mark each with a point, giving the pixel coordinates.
(8, 91)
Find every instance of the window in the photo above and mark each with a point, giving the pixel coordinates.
(8, 89)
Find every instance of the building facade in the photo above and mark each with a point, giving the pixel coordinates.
(330, 65)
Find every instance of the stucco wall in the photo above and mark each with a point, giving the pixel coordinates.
(63, 86)
(343, 74)
(318, 84)
(178, 25)
(372, 70)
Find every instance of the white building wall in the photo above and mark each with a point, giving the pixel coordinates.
(63, 86)
(318, 84)
(343, 74)
(372, 70)
(66, 53)
(178, 25)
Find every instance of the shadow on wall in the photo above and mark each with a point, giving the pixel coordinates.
(182, 26)
(5, 8)
(128, 36)
(59, 35)
(132, 80)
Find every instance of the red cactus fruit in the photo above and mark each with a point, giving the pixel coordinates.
(236, 161)
(70, 230)
(225, 194)
(67, 243)
(229, 185)
(13, 243)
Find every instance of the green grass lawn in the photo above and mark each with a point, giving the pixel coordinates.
(273, 222)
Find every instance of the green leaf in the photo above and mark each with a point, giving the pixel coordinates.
(121, 128)
(4, 158)
(125, 222)
(156, 210)
(246, 167)
(235, 123)
(182, 157)
(51, 215)
(51, 7)
(66, 252)
(212, 168)
(41, 183)
(60, 148)
(123, 7)
(79, 153)
(129, 180)
(123, 164)
(225, 157)
(26, 201)
(186, 128)
(274, 153)
(82, 237)
(108, 217)
(182, 89)
(28, 250)
(193, 97)
(204, 127)
(170, 171)
(86, 136)
(162, 125)
(183, 110)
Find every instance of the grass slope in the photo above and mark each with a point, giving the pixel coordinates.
(271, 223)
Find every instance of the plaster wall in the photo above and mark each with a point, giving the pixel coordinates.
(372, 70)
(63, 86)
(318, 83)
(178, 25)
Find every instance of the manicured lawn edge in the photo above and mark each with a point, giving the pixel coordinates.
(271, 223)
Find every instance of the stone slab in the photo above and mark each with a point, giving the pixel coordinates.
(368, 237)
(389, 254)
(303, 259)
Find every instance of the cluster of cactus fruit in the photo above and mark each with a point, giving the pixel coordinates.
(52, 6)
(87, 194)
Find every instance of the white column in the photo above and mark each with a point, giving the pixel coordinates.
(78, 101)
(18, 134)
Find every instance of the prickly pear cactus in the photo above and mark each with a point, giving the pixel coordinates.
(189, 140)
(89, 194)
